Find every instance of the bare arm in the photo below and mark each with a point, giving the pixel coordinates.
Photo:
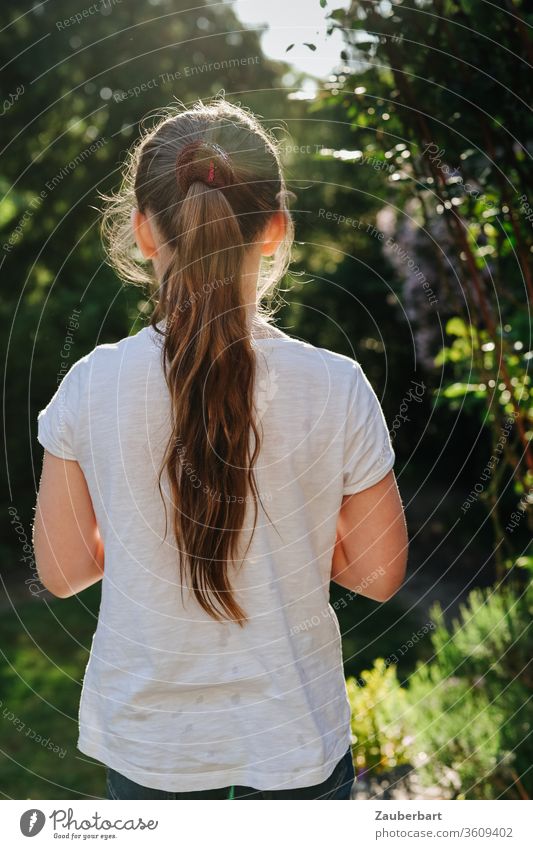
(69, 551)
(370, 554)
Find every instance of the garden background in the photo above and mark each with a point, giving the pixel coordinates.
(410, 165)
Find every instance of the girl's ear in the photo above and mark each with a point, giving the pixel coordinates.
(274, 233)
(144, 235)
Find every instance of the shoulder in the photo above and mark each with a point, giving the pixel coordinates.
(125, 347)
(128, 345)
(109, 356)
(312, 359)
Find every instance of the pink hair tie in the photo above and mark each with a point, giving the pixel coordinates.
(190, 168)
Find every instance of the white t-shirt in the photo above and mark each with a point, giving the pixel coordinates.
(171, 698)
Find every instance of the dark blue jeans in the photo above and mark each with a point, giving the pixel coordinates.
(337, 786)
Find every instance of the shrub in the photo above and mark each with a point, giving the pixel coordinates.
(379, 735)
(469, 706)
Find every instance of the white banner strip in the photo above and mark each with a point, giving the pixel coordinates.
(305, 823)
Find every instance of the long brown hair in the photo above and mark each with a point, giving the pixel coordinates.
(210, 178)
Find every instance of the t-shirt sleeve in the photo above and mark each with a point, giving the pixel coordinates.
(368, 452)
(56, 424)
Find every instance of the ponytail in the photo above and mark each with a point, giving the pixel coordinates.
(209, 369)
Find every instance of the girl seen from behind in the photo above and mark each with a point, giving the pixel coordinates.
(216, 474)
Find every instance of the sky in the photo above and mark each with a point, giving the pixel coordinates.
(295, 21)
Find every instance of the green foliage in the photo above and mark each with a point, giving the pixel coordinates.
(86, 85)
(459, 185)
(379, 732)
(473, 353)
(45, 651)
(470, 712)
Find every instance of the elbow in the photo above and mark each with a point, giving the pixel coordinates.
(62, 592)
(385, 594)
(58, 588)
(391, 583)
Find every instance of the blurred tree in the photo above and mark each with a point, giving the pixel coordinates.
(440, 90)
(75, 86)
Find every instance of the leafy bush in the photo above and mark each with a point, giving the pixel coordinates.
(469, 707)
(379, 735)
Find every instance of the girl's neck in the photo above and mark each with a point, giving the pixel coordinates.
(259, 327)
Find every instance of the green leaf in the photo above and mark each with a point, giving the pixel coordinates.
(457, 390)
(525, 562)
(456, 327)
